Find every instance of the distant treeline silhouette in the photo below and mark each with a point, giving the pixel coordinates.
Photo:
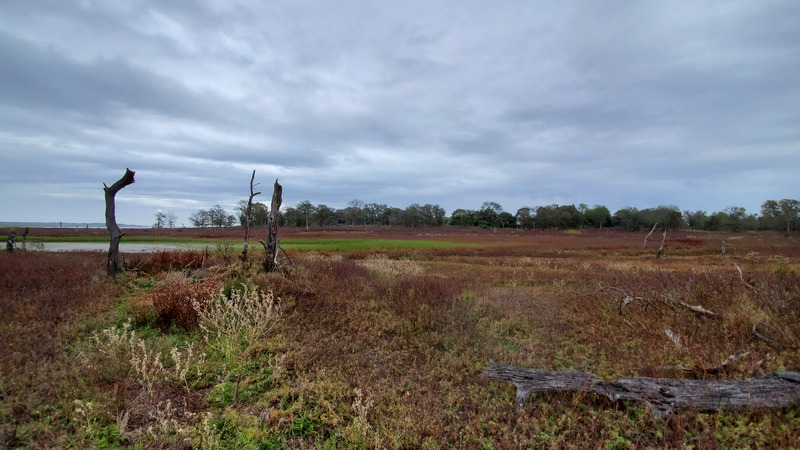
(778, 215)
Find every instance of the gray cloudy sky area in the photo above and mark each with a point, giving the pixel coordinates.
(621, 103)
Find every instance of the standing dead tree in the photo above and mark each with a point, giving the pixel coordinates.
(660, 252)
(271, 245)
(649, 234)
(663, 395)
(248, 217)
(112, 265)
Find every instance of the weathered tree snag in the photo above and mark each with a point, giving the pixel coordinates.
(649, 234)
(10, 242)
(663, 395)
(724, 248)
(247, 218)
(271, 246)
(112, 266)
(660, 252)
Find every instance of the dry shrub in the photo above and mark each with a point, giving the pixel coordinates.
(384, 266)
(167, 260)
(172, 299)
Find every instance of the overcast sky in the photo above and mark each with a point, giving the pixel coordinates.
(524, 103)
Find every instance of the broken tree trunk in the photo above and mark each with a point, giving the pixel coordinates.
(248, 217)
(649, 234)
(660, 252)
(663, 395)
(271, 245)
(112, 265)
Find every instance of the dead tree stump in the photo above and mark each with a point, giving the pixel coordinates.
(112, 265)
(271, 245)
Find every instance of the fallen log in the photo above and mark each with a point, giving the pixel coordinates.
(662, 395)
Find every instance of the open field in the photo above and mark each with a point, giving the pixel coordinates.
(381, 344)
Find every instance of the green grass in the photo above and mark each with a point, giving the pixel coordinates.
(344, 245)
(300, 244)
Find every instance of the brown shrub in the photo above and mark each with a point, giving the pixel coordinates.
(167, 260)
(172, 300)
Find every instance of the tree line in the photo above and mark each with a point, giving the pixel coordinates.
(777, 215)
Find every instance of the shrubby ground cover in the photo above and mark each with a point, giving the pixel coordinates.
(377, 347)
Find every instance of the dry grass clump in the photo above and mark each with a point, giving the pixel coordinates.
(383, 265)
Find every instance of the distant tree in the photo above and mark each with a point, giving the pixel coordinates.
(790, 212)
(306, 210)
(716, 221)
(324, 215)
(695, 220)
(547, 216)
(218, 216)
(392, 216)
(413, 216)
(506, 220)
(735, 218)
(258, 213)
(161, 220)
(462, 218)
(526, 218)
(668, 216)
(597, 216)
(201, 219)
(292, 217)
(434, 215)
(771, 215)
(172, 219)
(354, 213)
(488, 215)
(628, 218)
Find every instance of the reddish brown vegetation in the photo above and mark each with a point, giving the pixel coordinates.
(172, 300)
(416, 335)
(41, 298)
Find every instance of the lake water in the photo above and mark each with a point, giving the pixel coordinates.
(103, 247)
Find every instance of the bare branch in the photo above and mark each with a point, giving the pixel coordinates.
(741, 277)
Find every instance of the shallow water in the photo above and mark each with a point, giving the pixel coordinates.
(103, 247)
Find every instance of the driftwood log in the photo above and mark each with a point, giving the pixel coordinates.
(112, 265)
(663, 395)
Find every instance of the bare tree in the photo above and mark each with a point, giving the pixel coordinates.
(161, 220)
(247, 217)
(171, 219)
(112, 265)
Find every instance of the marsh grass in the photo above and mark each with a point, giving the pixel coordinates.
(386, 348)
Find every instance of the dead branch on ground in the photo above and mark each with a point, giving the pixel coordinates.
(741, 277)
(662, 395)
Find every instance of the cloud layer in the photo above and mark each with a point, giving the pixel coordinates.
(455, 103)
